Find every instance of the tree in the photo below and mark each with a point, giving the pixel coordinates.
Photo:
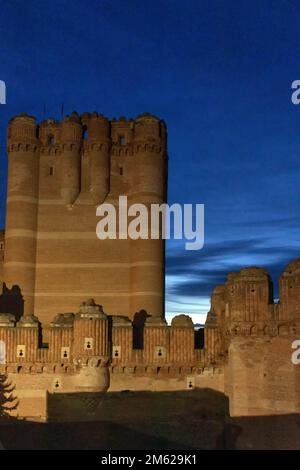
(8, 401)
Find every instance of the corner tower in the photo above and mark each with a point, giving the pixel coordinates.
(22, 207)
(148, 186)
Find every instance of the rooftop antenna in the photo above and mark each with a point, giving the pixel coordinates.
(62, 110)
(44, 112)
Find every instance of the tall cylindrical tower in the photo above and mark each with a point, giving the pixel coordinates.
(21, 208)
(98, 147)
(289, 292)
(148, 186)
(71, 141)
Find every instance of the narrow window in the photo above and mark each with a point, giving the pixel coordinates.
(51, 171)
(21, 350)
(88, 343)
(85, 133)
(116, 352)
(121, 140)
(199, 338)
(121, 170)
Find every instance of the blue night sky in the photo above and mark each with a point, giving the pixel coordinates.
(219, 72)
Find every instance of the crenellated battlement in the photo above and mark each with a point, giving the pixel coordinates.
(91, 334)
(91, 127)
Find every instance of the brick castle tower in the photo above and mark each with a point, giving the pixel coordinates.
(58, 173)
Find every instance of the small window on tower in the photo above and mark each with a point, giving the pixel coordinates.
(88, 344)
(121, 170)
(51, 139)
(160, 352)
(51, 171)
(121, 140)
(116, 352)
(85, 133)
(57, 383)
(21, 351)
(65, 352)
(190, 383)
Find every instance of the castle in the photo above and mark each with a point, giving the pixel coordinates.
(54, 346)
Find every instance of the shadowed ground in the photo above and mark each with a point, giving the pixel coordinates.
(190, 420)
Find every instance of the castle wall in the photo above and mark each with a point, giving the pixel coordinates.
(32, 389)
(246, 355)
(256, 337)
(162, 378)
(261, 378)
(248, 295)
(89, 352)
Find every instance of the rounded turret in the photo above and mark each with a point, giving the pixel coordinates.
(7, 320)
(182, 339)
(182, 321)
(147, 128)
(21, 207)
(122, 131)
(63, 320)
(71, 130)
(289, 291)
(248, 295)
(28, 321)
(120, 321)
(149, 165)
(98, 128)
(218, 302)
(71, 141)
(90, 331)
(22, 129)
(254, 273)
(148, 173)
(153, 322)
(121, 339)
(292, 269)
(89, 309)
(49, 133)
(98, 149)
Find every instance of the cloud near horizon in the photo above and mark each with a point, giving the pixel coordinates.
(192, 275)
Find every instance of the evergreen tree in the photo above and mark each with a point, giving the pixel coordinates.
(8, 401)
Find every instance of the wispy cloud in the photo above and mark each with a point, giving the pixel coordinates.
(192, 276)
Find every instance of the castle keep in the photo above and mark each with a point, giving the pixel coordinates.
(61, 345)
(58, 173)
